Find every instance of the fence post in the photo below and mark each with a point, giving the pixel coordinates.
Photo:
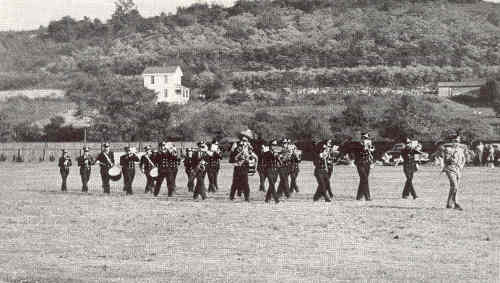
(18, 159)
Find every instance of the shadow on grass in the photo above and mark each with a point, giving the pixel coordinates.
(404, 207)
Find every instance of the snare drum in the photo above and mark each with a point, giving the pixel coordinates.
(115, 173)
(154, 172)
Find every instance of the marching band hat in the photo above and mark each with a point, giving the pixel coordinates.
(147, 147)
(127, 148)
(64, 150)
(365, 135)
(273, 143)
(244, 138)
(201, 144)
(215, 142)
(105, 144)
(189, 149)
(86, 148)
(162, 143)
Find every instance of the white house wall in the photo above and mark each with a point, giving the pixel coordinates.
(160, 85)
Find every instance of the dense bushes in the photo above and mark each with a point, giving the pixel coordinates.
(381, 76)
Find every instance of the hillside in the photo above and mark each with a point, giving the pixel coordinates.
(328, 68)
(441, 40)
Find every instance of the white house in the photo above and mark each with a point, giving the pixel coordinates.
(167, 83)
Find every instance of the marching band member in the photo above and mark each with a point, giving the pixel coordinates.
(236, 148)
(320, 162)
(213, 166)
(293, 168)
(167, 162)
(243, 158)
(363, 159)
(127, 162)
(189, 168)
(272, 164)
(454, 157)
(410, 166)
(261, 168)
(200, 170)
(332, 155)
(283, 170)
(146, 165)
(85, 163)
(106, 159)
(64, 165)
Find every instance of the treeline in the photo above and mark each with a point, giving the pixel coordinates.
(380, 76)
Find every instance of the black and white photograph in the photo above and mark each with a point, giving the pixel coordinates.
(249, 141)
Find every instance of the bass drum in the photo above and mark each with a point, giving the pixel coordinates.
(115, 173)
(252, 167)
(154, 172)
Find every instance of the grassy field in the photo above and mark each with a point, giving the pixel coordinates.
(50, 236)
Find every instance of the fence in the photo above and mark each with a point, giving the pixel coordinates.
(39, 152)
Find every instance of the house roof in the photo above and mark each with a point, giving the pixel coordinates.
(474, 83)
(160, 70)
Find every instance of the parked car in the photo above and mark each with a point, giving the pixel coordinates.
(396, 149)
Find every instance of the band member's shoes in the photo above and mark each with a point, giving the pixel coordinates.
(458, 207)
(448, 206)
(328, 200)
(405, 197)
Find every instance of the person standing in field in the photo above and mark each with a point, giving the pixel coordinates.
(201, 160)
(272, 165)
(64, 165)
(454, 156)
(127, 162)
(213, 166)
(146, 165)
(410, 166)
(284, 169)
(293, 168)
(261, 168)
(479, 150)
(106, 159)
(189, 168)
(363, 159)
(320, 162)
(85, 162)
(240, 178)
(167, 162)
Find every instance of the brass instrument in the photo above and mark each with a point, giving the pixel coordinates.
(369, 149)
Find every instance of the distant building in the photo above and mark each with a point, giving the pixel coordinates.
(448, 89)
(167, 83)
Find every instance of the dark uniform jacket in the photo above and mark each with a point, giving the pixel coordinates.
(360, 154)
(104, 162)
(408, 155)
(320, 162)
(214, 161)
(146, 162)
(62, 164)
(189, 163)
(85, 161)
(199, 157)
(127, 161)
(166, 160)
(270, 160)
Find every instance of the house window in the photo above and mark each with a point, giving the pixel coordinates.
(152, 80)
(496, 128)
